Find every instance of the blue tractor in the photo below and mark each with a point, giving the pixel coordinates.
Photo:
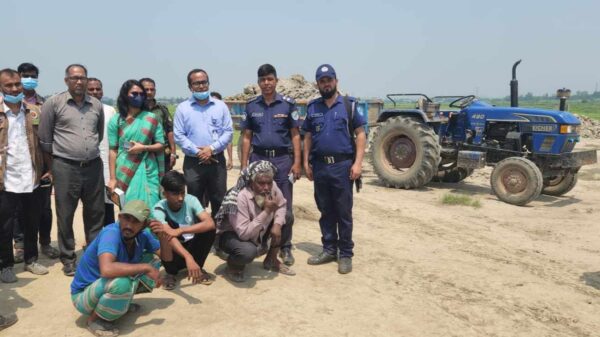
(531, 150)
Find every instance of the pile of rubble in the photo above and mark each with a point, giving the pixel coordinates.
(590, 128)
(296, 87)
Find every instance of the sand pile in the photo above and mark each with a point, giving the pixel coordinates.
(590, 128)
(296, 87)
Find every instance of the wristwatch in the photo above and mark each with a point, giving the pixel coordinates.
(175, 155)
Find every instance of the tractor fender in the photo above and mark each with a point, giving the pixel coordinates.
(387, 114)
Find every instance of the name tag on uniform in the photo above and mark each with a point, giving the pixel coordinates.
(280, 116)
(258, 114)
(317, 114)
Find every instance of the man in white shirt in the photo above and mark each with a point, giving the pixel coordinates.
(94, 89)
(21, 166)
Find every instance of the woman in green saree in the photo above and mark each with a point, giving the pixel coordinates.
(136, 143)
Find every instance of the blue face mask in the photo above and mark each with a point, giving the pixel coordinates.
(201, 95)
(13, 99)
(29, 83)
(136, 101)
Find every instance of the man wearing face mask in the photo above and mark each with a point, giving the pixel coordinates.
(21, 169)
(332, 162)
(203, 128)
(29, 78)
(71, 129)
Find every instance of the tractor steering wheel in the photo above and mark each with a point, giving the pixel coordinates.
(462, 102)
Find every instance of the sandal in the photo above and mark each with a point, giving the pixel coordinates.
(102, 328)
(169, 282)
(281, 269)
(207, 278)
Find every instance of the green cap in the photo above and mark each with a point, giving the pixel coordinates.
(137, 209)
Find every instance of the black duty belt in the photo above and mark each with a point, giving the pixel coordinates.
(274, 152)
(79, 163)
(333, 158)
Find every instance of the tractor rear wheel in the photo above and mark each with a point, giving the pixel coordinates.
(405, 152)
(516, 181)
(560, 185)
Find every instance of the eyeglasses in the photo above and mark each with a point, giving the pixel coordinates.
(199, 84)
(77, 78)
(136, 94)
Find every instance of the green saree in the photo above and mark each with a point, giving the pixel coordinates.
(138, 175)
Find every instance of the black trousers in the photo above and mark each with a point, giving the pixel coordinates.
(109, 214)
(206, 178)
(71, 184)
(45, 226)
(199, 246)
(29, 219)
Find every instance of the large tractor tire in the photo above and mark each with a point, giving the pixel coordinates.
(405, 152)
(560, 185)
(516, 181)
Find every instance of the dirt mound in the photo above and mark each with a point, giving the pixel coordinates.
(590, 128)
(296, 87)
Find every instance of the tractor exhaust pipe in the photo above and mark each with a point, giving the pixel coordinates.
(514, 86)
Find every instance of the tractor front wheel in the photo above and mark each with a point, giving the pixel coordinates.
(516, 181)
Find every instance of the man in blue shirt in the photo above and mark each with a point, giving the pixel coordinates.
(116, 263)
(190, 228)
(332, 162)
(202, 128)
(270, 125)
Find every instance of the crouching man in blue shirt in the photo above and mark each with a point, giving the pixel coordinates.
(117, 264)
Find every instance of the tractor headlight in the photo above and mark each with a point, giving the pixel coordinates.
(569, 128)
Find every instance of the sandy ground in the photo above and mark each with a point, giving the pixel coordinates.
(421, 268)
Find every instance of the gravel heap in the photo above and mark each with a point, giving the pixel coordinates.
(590, 128)
(296, 87)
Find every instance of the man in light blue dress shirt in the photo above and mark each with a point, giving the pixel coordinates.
(202, 128)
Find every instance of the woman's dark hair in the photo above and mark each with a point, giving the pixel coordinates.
(173, 181)
(122, 102)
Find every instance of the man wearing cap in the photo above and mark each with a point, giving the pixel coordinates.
(270, 125)
(331, 161)
(115, 266)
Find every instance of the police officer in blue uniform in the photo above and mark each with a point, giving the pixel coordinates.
(331, 161)
(271, 128)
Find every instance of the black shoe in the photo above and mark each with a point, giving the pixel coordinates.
(344, 265)
(286, 256)
(69, 269)
(321, 258)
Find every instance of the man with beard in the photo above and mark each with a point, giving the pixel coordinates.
(191, 228)
(253, 212)
(332, 162)
(270, 125)
(119, 263)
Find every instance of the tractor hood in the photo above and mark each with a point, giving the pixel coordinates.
(522, 114)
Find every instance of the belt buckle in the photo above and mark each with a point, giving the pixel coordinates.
(270, 153)
(329, 159)
(84, 163)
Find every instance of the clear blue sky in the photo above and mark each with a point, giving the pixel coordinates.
(377, 47)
